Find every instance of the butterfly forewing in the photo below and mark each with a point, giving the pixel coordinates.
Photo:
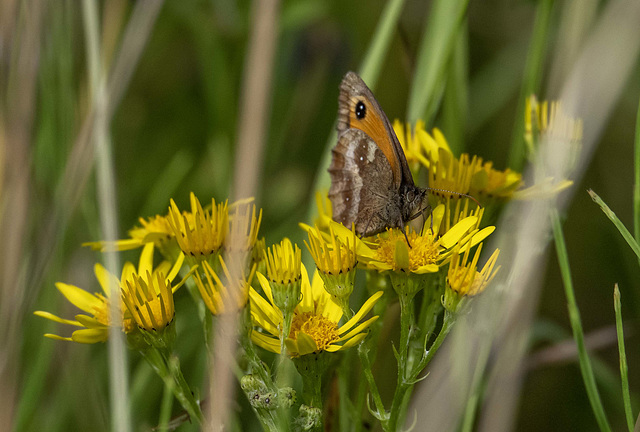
(369, 118)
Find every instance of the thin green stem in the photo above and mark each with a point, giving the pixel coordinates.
(363, 353)
(472, 402)
(617, 306)
(367, 351)
(345, 413)
(169, 370)
(165, 406)
(447, 324)
(406, 324)
(576, 325)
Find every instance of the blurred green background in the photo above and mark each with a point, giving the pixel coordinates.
(175, 131)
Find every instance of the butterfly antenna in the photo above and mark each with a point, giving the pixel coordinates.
(456, 193)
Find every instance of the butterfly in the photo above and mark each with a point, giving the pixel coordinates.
(371, 184)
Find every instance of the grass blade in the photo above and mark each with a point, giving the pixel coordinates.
(438, 41)
(576, 324)
(612, 216)
(623, 359)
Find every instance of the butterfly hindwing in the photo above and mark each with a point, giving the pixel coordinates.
(362, 190)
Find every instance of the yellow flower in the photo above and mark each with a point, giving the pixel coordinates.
(315, 320)
(201, 233)
(244, 225)
(548, 119)
(230, 295)
(451, 176)
(96, 324)
(336, 262)
(420, 147)
(149, 295)
(283, 262)
(426, 251)
(155, 229)
(463, 279)
(332, 255)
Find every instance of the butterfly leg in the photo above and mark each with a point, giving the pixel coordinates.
(421, 213)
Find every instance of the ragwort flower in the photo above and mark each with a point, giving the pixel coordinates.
(155, 229)
(227, 294)
(336, 262)
(463, 278)
(95, 325)
(201, 233)
(315, 320)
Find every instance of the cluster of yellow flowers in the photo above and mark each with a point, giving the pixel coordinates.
(217, 251)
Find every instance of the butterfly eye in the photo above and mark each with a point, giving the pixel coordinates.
(410, 196)
(361, 110)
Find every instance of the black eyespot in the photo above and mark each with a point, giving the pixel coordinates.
(361, 110)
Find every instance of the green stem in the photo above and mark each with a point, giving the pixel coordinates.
(624, 372)
(367, 350)
(576, 325)
(403, 385)
(472, 402)
(165, 406)
(363, 353)
(169, 371)
(270, 421)
(345, 410)
(447, 324)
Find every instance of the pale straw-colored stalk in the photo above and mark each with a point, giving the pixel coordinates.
(252, 132)
(21, 50)
(107, 91)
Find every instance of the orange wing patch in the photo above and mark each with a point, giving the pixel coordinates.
(373, 125)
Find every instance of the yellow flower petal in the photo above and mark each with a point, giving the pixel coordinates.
(306, 304)
(429, 268)
(89, 322)
(358, 329)
(354, 341)
(452, 236)
(56, 337)
(264, 313)
(90, 336)
(57, 319)
(266, 287)
(266, 342)
(146, 260)
(366, 307)
(105, 279)
(79, 297)
(176, 268)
